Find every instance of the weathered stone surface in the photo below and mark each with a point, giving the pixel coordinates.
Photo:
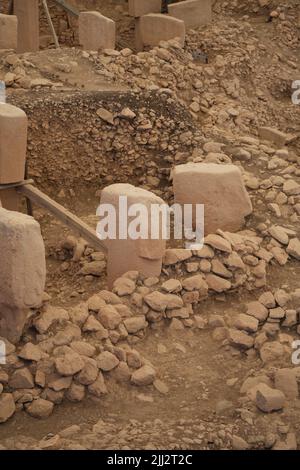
(107, 361)
(89, 373)
(293, 248)
(143, 254)
(269, 399)
(98, 387)
(13, 142)
(194, 13)
(40, 408)
(217, 283)
(21, 378)
(27, 12)
(143, 376)
(257, 310)
(30, 352)
(8, 31)
(173, 256)
(240, 339)
(273, 135)
(23, 271)
(109, 317)
(246, 322)
(69, 364)
(96, 31)
(219, 187)
(271, 351)
(135, 324)
(157, 301)
(50, 316)
(154, 27)
(7, 406)
(123, 286)
(76, 392)
(285, 380)
(139, 8)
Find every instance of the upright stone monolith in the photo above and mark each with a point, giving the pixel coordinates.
(13, 143)
(22, 273)
(96, 31)
(220, 188)
(143, 255)
(8, 31)
(27, 12)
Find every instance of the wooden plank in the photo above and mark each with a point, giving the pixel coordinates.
(62, 214)
(69, 8)
(45, 5)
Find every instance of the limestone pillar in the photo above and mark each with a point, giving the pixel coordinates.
(143, 255)
(96, 31)
(22, 273)
(13, 143)
(155, 27)
(220, 188)
(139, 8)
(194, 13)
(8, 32)
(27, 12)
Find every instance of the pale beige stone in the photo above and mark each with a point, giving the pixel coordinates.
(194, 13)
(27, 12)
(22, 273)
(152, 28)
(138, 8)
(96, 31)
(219, 187)
(13, 143)
(144, 256)
(8, 31)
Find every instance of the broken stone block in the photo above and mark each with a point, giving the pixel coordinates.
(27, 12)
(96, 31)
(194, 13)
(269, 399)
(273, 135)
(40, 408)
(142, 254)
(13, 143)
(139, 8)
(8, 31)
(7, 406)
(23, 271)
(152, 28)
(219, 187)
(293, 248)
(143, 376)
(285, 380)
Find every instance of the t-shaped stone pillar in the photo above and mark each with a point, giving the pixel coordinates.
(22, 273)
(27, 12)
(13, 143)
(152, 28)
(96, 31)
(8, 32)
(219, 187)
(143, 255)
